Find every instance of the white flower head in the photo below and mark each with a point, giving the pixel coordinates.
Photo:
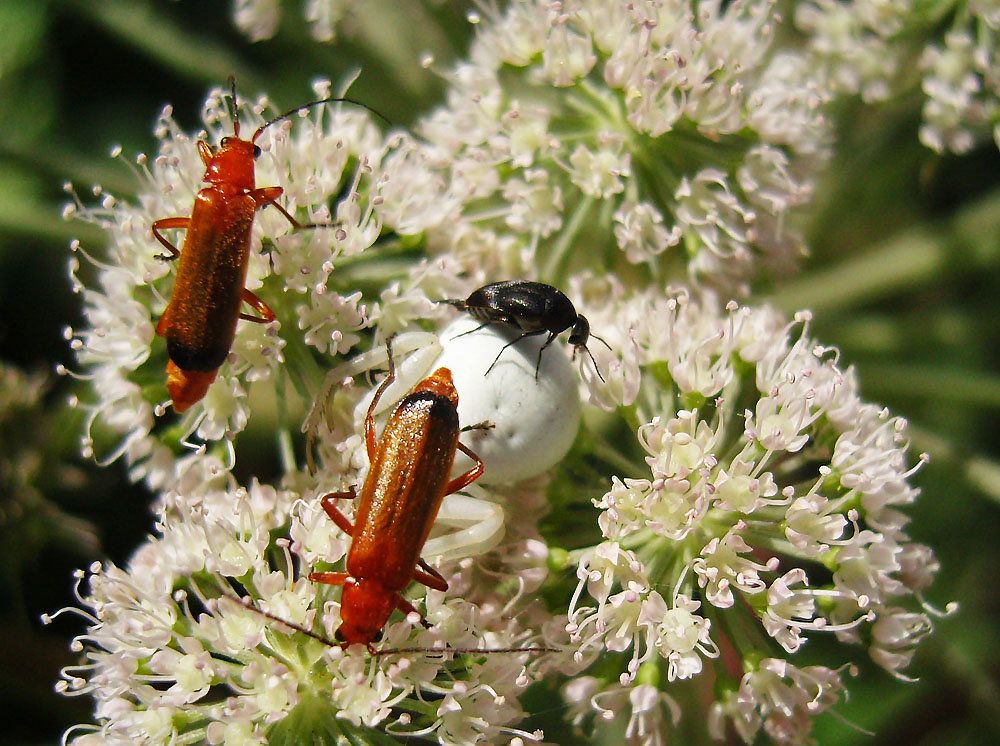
(598, 102)
(874, 47)
(730, 497)
(769, 497)
(259, 19)
(333, 152)
(173, 627)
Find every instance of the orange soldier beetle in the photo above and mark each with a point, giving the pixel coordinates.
(199, 322)
(408, 477)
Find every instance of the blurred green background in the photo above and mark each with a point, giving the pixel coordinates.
(904, 279)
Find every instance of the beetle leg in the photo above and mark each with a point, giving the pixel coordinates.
(484, 425)
(167, 223)
(473, 331)
(335, 515)
(370, 442)
(330, 578)
(464, 480)
(514, 342)
(493, 318)
(266, 314)
(538, 365)
(269, 195)
(406, 607)
(431, 578)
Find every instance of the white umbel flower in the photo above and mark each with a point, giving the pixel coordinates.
(679, 114)
(333, 154)
(771, 502)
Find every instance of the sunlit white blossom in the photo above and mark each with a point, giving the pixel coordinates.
(170, 629)
(874, 47)
(760, 501)
(730, 496)
(259, 19)
(661, 112)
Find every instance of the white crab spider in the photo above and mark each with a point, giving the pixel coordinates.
(534, 420)
(480, 525)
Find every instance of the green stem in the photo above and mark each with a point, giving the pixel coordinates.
(286, 449)
(308, 377)
(560, 249)
(933, 382)
(197, 57)
(921, 255)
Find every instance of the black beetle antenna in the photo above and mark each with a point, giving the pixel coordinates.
(384, 651)
(231, 105)
(596, 369)
(303, 107)
(267, 615)
(594, 336)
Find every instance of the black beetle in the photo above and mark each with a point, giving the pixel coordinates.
(532, 308)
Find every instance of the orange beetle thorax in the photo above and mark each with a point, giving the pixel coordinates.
(439, 383)
(365, 605)
(232, 164)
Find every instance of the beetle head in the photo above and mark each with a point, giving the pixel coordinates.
(365, 605)
(232, 163)
(581, 332)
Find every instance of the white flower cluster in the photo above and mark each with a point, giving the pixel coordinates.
(961, 80)
(854, 44)
(881, 48)
(259, 19)
(771, 510)
(171, 651)
(679, 123)
(615, 150)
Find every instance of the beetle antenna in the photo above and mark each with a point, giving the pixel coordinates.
(596, 369)
(267, 615)
(231, 105)
(461, 651)
(594, 336)
(303, 107)
(246, 604)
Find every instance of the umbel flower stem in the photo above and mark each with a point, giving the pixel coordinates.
(965, 242)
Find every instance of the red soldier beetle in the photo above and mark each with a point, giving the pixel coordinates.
(199, 322)
(408, 477)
